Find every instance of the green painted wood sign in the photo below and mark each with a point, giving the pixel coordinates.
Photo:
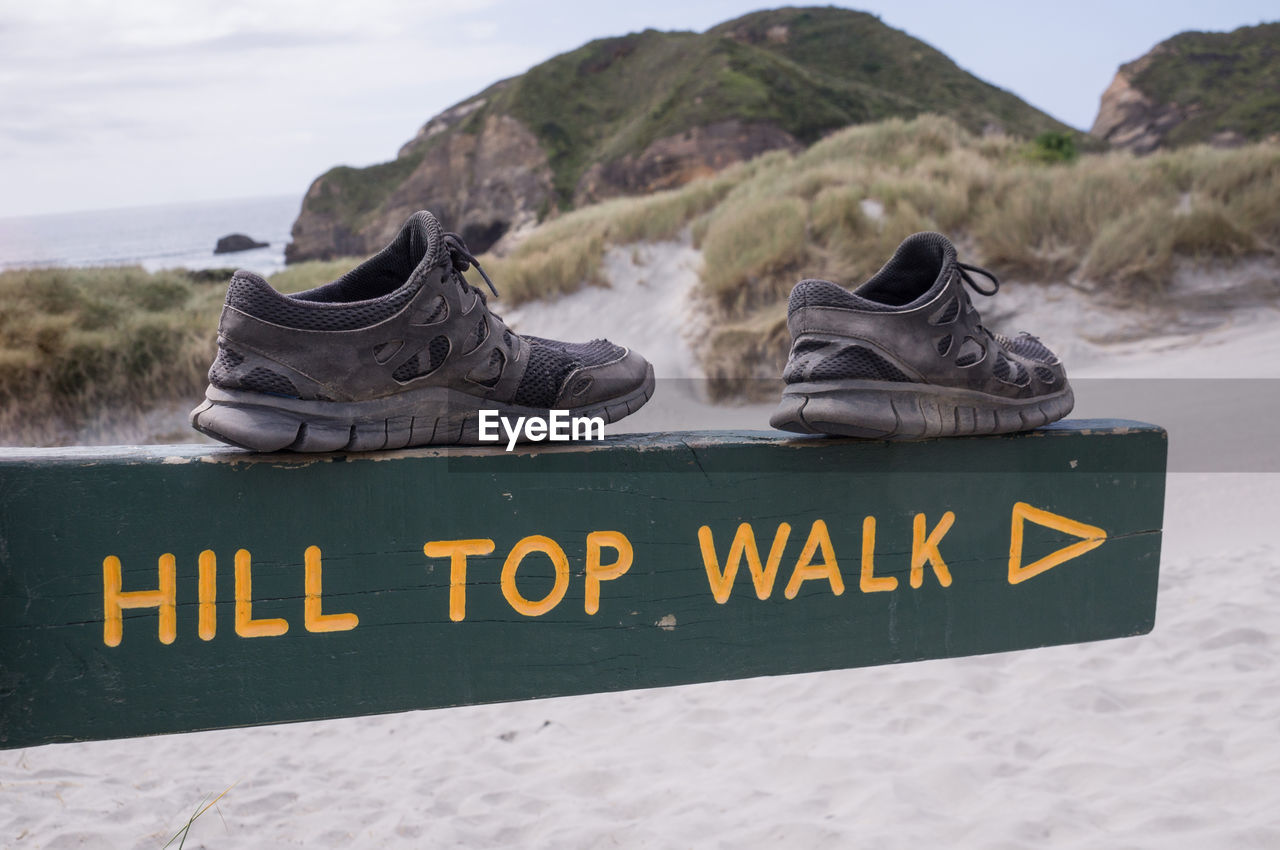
(167, 589)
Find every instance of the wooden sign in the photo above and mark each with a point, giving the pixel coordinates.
(166, 589)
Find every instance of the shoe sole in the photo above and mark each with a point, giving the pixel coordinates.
(881, 410)
(429, 416)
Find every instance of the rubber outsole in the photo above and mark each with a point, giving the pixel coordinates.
(431, 416)
(883, 410)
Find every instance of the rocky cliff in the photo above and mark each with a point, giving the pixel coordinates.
(482, 183)
(642, 112)
(1219, 88)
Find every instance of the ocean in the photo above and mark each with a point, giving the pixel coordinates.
(154, 237)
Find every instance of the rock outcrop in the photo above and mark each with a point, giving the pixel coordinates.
(641, 112)
(1218, 88)
(481, 184)
(675, 160)
(233, 242)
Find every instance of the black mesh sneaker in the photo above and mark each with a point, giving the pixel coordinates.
(398, 352)
(905, 356)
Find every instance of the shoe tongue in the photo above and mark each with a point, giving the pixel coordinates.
(921, 264)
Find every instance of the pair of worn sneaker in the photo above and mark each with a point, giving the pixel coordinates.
(402, 351)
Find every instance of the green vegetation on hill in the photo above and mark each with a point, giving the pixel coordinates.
(1230, 81)
(351, 193)
(808, 71)
(871, 71)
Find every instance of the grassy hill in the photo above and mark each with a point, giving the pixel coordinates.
(602, 121)
(807, 71)
(1232, 78)
(1199, 87)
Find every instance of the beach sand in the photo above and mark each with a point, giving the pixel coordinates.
(1170, 740)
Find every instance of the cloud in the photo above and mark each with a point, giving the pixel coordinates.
(98, 100)
(248, 41)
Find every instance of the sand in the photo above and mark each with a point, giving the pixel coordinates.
(1170, 740)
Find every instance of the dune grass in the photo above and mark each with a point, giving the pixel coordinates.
(1043, 220)
(75, 342)
(203, 806)
(1113, 222)
(107, 344)
(564, 254)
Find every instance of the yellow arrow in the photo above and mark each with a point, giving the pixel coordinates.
(1093, 537)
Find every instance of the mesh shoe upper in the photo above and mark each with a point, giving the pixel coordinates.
(913, 321)
(551, 362)
(405, 317)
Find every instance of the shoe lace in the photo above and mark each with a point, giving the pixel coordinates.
(462, 259)
(965, 268)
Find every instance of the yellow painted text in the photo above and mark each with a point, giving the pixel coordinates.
(597, 572)
(312, 618)
(246, 625)
(924, 549)
(806, 570)
(527, 546)
(115, 600)
(868, 581)
(744, 543)
(457, 551)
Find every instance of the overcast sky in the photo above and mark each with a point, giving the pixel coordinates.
(128, 102)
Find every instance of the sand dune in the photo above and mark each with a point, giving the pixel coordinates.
(1166, 741)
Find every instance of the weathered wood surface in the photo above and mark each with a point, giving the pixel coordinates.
(166, 589)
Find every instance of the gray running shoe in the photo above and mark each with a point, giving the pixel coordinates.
(905, 356)
(398, 352)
